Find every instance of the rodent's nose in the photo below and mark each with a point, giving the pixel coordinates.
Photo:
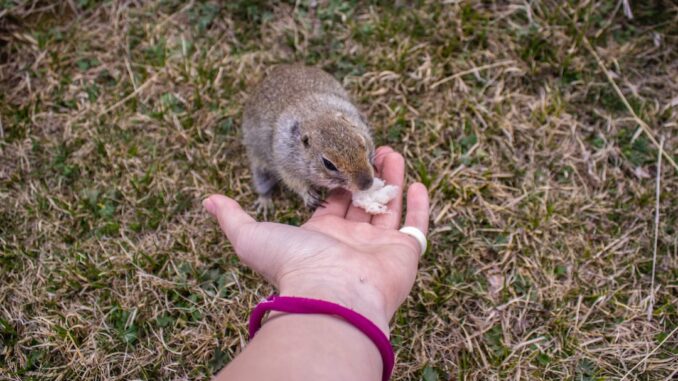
(364, 182)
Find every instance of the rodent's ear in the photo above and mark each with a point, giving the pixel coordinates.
(294, 130)
(362, 118)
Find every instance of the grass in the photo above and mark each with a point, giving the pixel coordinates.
(119, 118)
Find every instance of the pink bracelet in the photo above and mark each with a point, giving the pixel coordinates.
(296, 305)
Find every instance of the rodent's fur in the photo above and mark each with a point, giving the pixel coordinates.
(296, 117)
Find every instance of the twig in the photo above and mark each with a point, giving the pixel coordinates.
(670, 377)
(601, 65)
(130, 96)
(640, 122)
(656, 227)
(627, 10)
(649, 354)
(471, 71)
(169, 18)
(131, 74)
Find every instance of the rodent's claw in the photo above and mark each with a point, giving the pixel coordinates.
(263, 205)
(313, 200)
(319, 204)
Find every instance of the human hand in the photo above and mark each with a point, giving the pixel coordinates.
(341, 254)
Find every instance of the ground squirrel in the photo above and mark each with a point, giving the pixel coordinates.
(299, 126)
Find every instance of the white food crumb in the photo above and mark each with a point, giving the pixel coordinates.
(374, 200)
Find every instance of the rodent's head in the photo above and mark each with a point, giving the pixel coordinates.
(339, 153)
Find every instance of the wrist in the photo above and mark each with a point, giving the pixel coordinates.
(359, 298)
(335, 316)
(299, 343)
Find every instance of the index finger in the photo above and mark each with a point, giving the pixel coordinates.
(337, 204)
(357, 214)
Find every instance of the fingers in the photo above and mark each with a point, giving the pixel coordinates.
(417, 207)
(391, 168)
(264, 247)
(336, 204)
(380, 154)
(358, 214)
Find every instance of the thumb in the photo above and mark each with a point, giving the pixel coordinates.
(250, 239)
(230, 215)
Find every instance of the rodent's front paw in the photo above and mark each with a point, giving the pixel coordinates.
(263, 205)
(313, 199)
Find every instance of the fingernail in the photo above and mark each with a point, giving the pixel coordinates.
(209, 206)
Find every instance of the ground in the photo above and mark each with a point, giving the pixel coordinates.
(536, 127)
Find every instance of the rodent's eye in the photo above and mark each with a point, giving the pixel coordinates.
(304, 139)
(329, 165)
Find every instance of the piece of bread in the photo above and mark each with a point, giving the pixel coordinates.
(374, 200)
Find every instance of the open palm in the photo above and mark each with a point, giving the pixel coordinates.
(341, 254)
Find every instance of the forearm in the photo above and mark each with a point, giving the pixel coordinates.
(306, 347)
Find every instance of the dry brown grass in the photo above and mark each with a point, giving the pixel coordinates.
(117, 118)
